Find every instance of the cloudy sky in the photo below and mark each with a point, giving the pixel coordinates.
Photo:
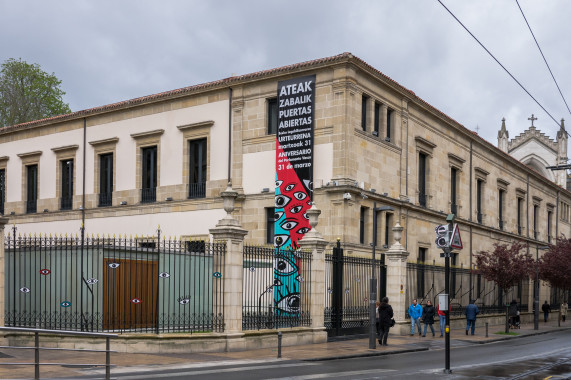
(106, 51)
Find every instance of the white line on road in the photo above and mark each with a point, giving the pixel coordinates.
(334, 374)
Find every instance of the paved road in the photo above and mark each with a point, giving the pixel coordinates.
(532, 357)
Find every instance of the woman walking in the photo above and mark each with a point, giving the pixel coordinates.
(428, 313)
(385, 318)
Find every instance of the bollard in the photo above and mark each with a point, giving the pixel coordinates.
(279, 345)
(486, 329)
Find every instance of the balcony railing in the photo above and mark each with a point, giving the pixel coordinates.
(197, 190)
(66, 203)
(31, 206)
(105, 199)
(149, 195)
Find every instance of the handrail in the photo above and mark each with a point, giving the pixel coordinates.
(37, 348)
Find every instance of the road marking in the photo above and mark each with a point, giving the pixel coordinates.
(333, 374)
(218, 370)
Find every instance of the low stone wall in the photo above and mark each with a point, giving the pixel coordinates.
(176, 342)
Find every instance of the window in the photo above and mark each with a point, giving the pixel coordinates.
(66, 185)
(362, 224)
(272, 116)
(479, 190)
(549, 215)
(388, 224)
(535, 225)
(519, 214)
(364, 107)
(270, 222)
(389, 124)
(453, 188)
(197, 170)
(501, 209)
(105, 180)
(422, 179)
(376, 119)
(479, 286)
(149, 175)
(420, 275)
(564, 207)
(2, 189)
(32, 188)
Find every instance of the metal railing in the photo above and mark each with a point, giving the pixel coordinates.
(276, 288)
(197, 190)
(105, 199)
(66, 203)
(31, 207)
(149, 195)
(37, 349)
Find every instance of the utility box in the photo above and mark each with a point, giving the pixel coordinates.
(443, 302)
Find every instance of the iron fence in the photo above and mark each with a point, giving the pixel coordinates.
(114, 284)
(426, 281)
(276, 288)
(347, 285)
(149, 195)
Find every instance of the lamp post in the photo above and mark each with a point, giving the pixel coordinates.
(373, 295)
(536, 287)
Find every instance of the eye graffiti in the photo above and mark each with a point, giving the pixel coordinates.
(280, 240)
(252, 269)
(184, 300)
(136, 301)
(217, 275)
(289, 303)
(278, 215)
(279, 183)
(281, 200)
(25, 290)
(283, 266)
(164, 275)
(299, 278)
(113, 265)
(308, 184)
(290, 187)
(300, 195)
(92, 281)
(45, 272)
(65, 304)
(296, 209)
(277, 282)
(306, 216)
(303, 230)
(289, 224)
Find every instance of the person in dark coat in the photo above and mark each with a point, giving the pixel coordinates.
(546, 309)
(385, 317)
(471, 312)
(428, 313)
(514, 314)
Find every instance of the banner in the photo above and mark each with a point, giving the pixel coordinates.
(294, 186)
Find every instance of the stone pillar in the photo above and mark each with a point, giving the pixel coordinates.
(3, 222)
(395, 259)
(229, 230)
(314, 242)
(383, 121)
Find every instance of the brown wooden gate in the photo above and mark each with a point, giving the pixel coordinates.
(130, 293)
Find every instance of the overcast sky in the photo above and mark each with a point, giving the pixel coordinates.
(106, 51)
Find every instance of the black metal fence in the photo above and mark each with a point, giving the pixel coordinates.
(426, 281)
(114, 284)
(347, 285)
(276, 288)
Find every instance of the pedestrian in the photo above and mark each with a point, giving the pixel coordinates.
(442, 317)
(546, 310)
(377, 317)
(415, 312)
(428, 313)
(471, 312)
(563, 310)
(385, 320)
(514, 315)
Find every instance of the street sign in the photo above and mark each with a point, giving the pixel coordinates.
(442, 239)
(456, 240)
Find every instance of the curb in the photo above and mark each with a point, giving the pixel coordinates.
(516, 336)
(365, 355)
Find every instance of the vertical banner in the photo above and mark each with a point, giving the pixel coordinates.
(294, 186)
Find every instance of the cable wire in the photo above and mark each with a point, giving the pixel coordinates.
(498, 62)
(549, 68)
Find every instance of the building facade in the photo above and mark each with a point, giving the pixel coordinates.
(162, 160)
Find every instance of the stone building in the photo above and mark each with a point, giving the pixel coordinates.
(128, 167)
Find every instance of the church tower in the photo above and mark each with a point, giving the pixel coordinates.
(503, 137)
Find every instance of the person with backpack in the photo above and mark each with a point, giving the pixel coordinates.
(385, 320)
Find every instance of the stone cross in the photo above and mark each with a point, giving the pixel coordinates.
(532, 118)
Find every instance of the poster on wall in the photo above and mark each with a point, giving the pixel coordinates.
(294, 185)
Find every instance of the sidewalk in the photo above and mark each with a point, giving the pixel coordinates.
(124, 362)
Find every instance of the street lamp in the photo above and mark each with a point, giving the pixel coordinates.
(373, 295)
(536, 287)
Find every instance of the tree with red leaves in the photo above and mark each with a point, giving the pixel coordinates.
(506, 265)
(555, 265)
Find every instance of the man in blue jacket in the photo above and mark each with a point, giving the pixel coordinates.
(415, 312)
(471, 312)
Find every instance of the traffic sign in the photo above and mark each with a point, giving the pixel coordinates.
(442, 239)
(456, 240)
